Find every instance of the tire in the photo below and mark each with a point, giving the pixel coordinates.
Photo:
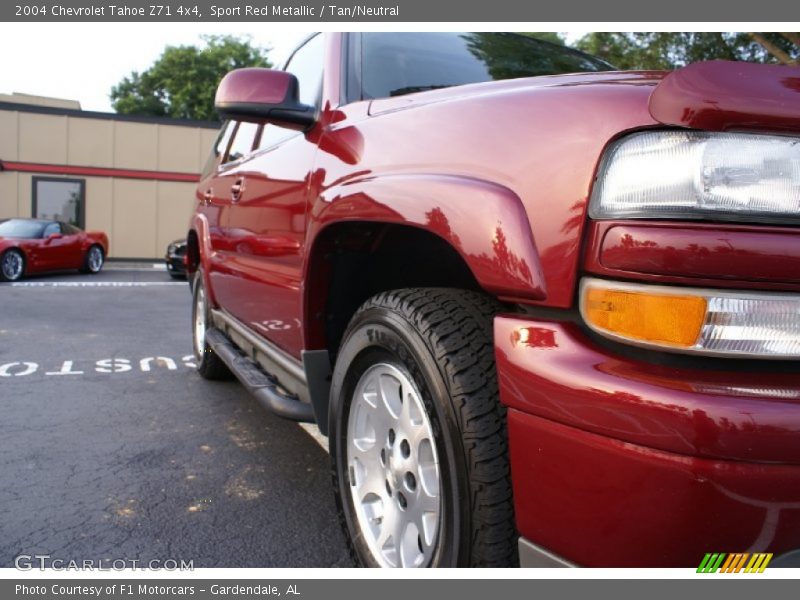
(209, 365)
(431, 352)
(12, 265)
(94, 260)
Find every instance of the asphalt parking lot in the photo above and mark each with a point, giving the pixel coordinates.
(112, 447)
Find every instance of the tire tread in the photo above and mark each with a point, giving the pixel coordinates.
(211, 366)
(457, 328)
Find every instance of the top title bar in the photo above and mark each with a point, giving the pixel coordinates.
(398, 11)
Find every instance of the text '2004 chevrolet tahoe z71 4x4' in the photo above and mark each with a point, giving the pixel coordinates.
(546, 312)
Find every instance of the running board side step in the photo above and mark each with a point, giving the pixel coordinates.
(260, 384)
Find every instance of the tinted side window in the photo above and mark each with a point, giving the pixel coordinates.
(400, 63)
(243, 141)
(51, 229)
(219, 148)
(306, 64)
(272, 135)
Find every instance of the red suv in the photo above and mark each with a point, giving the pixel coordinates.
(546, 312)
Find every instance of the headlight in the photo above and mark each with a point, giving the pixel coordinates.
(692, 174)
(751, 325)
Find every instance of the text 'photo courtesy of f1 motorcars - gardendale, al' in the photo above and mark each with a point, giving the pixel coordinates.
(408, 300)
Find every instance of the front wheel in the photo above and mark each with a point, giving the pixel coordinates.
(93, 261)
(12, 265)
(418, 435)
(209, 365)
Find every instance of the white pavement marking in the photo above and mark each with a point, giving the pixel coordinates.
(312, 430)
(131, 270)
(105, 365)
(149, 267)
(88, 284)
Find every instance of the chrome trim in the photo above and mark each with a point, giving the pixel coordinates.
(264, 388)
(273, 360)
(532, 556)
(291, 365)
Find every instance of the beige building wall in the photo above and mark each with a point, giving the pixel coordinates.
(174, 209)
(100, 213)
(24, 194)
(9, 135)
(208, 138)
(8, 195)
(42, 138)
(90, 142)
(140, 216)
(136, 146)
(134, 217)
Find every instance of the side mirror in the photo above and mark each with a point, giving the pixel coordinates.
(263, 95)
(55, 236)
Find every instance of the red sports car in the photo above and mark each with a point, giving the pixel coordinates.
(35, 246)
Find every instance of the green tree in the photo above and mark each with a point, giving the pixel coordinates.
(669, 50)
(548, 36)
(184, 79)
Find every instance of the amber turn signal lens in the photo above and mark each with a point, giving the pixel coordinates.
(668, 319)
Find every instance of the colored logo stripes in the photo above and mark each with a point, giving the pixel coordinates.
(734, 563)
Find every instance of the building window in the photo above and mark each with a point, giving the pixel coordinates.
(59, 200)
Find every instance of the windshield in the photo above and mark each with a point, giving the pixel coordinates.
(401, 63)
(19, 228)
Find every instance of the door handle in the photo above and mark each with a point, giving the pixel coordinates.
(207, 196)
(237, 189)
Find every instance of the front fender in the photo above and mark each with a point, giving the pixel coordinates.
(199, 224)
(96, 237)
(484, 222)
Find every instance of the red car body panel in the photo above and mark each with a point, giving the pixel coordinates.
(56, 254)
(699, 254)
(720, 95)
(665, 463)
(607, 503)
(509, 271)
(617, 459)
(562, 375)
(412, 137)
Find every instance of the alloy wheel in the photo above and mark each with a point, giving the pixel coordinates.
(95, 259)
(12, 266)
(393, 469)
(200, 321)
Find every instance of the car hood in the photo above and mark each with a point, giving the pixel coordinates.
(12, 241)
(515, 86)
(712, 95)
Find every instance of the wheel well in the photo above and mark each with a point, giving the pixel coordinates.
(17, 249)
(350, 262)
(192, 252)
